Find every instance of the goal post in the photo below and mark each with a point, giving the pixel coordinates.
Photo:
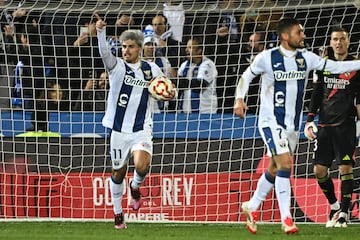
(204, 165)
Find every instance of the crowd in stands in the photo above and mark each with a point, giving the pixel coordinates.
(58, 50)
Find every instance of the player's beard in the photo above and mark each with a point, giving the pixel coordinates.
(296, 46)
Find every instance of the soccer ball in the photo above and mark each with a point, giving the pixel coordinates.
(159, 87)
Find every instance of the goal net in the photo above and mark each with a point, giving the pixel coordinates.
(54, 160)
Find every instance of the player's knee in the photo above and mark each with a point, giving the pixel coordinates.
(320, 171)
(345, 169)
(272, 170)
(142, 169)
(119, 174)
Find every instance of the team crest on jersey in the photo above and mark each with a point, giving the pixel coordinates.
(147, 75)
(283, 143)
(301, 62)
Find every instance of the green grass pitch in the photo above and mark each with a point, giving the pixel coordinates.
(162, 231)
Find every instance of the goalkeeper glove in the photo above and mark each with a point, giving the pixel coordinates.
(310, 130)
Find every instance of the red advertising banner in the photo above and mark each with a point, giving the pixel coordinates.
(181, 197)
(166, 197)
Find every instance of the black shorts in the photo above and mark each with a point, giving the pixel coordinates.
(336, 143)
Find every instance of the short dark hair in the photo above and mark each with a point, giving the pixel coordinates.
(262, 35)
(339, 29)
(285, 24)
(199, 41)
(163, 16)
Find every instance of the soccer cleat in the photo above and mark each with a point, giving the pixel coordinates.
(341, 223)
(119, 221)
(289, 226)
(251, 218)
(334, 216)
(136, 195)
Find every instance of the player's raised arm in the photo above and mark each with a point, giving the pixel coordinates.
(108, 59)
(99, 22)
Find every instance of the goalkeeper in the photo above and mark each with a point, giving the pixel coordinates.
(336, 134)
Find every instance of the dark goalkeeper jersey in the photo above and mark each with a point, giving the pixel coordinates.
(338, 93)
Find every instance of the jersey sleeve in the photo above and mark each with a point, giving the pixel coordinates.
(207, 72)
(181, 69)
(156, 71)
(108, 59)
(256, 68)
(316, 95)
(332, 66)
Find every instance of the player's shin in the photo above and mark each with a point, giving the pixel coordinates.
(138, 179)
(116, 189)
(283, 192)
(347, 182)
(264, 186)
(327, 186)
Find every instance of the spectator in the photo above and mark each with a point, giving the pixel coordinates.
(198, 80)
(224, 32)
(149, 54)
(124, 22)
(259, 16)
(166, 45)
(255, 45)
(53, 98)
(93, 96)
(85, 60)
(175, 13)
(22, 47)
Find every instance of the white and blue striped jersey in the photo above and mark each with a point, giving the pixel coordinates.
(207, 99)
(128, 104)
(284, 75)
(128, 100)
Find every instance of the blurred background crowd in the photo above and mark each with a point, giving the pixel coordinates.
(50, 61)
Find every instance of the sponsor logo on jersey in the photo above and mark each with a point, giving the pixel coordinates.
(288, 76)
(131, 81)
(336, 83)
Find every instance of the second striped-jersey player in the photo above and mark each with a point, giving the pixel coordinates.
(284, 75)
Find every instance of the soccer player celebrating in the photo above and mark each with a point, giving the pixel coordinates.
(334, 96)
(128, 114)
(284, 71)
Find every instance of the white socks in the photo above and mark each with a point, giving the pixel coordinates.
(116, 195)
(137, 180)
(263, 187)
(283, 192)
(335, 206)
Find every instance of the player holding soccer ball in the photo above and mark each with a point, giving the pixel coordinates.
(334, 95)
(284, 71)
(128, 114)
